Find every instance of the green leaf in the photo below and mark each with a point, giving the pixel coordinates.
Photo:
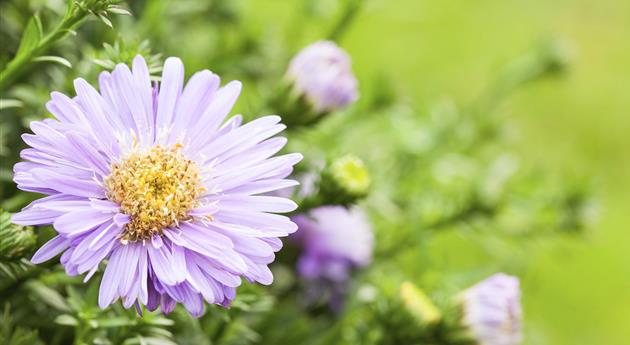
(10, 103)
(104, 63)
(160, 321)
(159, 332)
(118, 321)
(74, 299)
(56, 59)
(31, 36)
(106, 20)
(38, 23)
(12, 334)
(118, 10)
(12, 271)
(48, 295)
(66, 320)
(140, 340)
(70, 31)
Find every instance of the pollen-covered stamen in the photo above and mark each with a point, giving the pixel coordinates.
(156, 189)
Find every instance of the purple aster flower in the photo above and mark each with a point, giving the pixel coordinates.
(335, 240)
(492, 310)
(322, 73)
(158, 183)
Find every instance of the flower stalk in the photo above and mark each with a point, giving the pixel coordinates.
(20, 63)
(35, 44)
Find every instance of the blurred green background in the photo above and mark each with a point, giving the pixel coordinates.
(576, 291)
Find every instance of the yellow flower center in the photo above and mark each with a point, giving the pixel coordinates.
(156, 189)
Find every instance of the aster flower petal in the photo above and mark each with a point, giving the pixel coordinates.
(75, 223)
(196, 97)
(91, 262)
(35, 217)
(96, 110)
(109, 284)
(269, 168)
(87, 154)
(170, 91)
(256, 249)
(162, 264)
(263, 186)
(214, 114)
(213, 245)
(128, 95)
(210, 291)
(67, 184)
(256, 154)
(51, 249)
(179, 262)
(143, 273)
(221, 276)
(167, 304)
(142, 83)
(49, 145)
(269, 225)
(231, 124)
(66, 110)
(47, 209)
(250, 133)
(275, 243)
(95, 239)
(131, 256)
(257, 203)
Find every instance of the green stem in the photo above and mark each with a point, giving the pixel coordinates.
(16, 67)
(475, 209)
(219, 332)
(80, 332)
(346, 19)
(550, 58)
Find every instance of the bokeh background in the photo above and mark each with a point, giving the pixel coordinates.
(576, 289)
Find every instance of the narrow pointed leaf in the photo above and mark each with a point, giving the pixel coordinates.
(56, 59)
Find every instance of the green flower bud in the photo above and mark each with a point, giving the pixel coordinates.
(345, 181)
(418, 304)
(15, 241)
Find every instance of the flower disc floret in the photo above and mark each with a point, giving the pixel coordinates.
(156, 189)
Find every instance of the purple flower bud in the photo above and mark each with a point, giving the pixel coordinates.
(492, 310)
(322, 73)
(334, 241)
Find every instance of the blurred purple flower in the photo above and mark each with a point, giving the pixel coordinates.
(335, 240)
(492, 310)
(156, 182)
(323, 73)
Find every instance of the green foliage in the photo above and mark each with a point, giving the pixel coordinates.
(123, 52)
(35, 42)
(10, 334)
(15, 241)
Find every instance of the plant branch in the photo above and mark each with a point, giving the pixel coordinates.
(16, 67)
